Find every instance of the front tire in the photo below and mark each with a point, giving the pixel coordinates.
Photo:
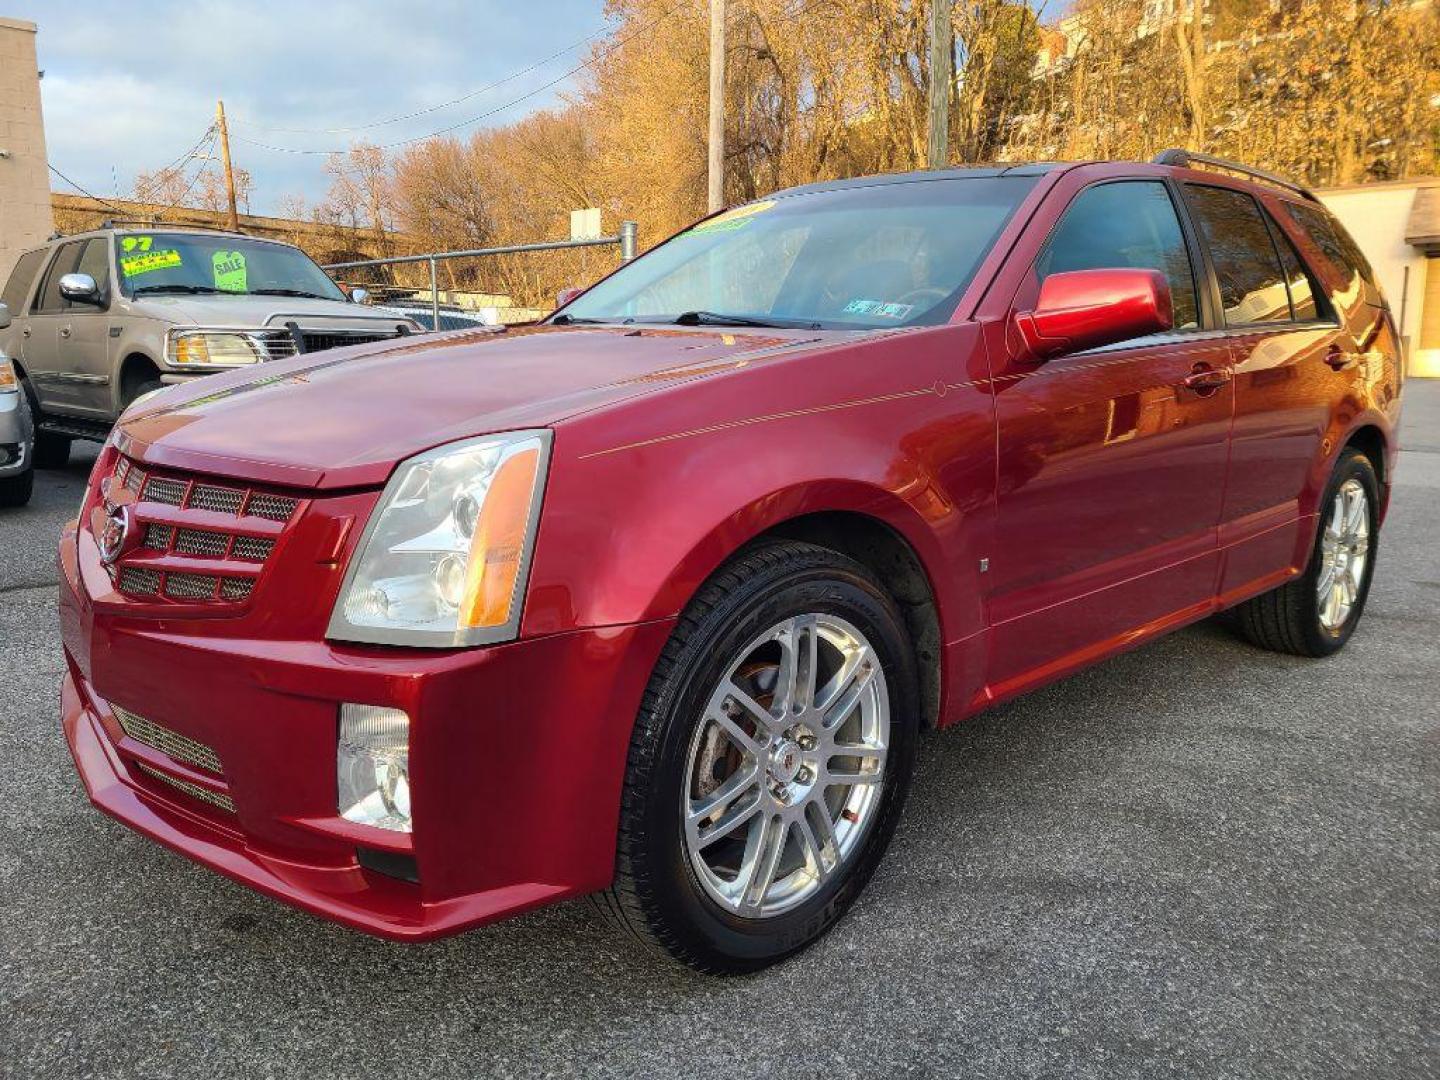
(769, 763)
(1315, 614)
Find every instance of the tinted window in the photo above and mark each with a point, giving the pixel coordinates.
(17, 289)
(1127, 224)
(64, 262)
(1332, 239)
(1247, 266)
(190, 263)
(95, 261)
(1303, 287)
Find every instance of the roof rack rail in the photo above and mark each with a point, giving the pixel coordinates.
(1188, 159)
(152, 222)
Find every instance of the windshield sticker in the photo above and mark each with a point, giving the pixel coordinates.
(878, 308)
(137, 243)
(229, 269)
(146, 261)
(734, 219)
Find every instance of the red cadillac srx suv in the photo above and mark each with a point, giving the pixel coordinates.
(653, 600)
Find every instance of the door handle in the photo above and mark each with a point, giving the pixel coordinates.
(65, 331)
(1205, 379)
(1340, 360)
(25, 332)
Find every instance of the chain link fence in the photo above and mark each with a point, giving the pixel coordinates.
(446, 290)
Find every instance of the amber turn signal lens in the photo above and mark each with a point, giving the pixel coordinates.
(7, 376)
(499, 544)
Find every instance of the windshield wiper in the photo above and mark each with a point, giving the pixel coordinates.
(713, 318)
(188, 290)
(575, 320)
(290, 292)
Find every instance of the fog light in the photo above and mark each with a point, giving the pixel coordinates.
(372, 767)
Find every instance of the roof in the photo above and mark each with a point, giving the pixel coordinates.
(1423, 228)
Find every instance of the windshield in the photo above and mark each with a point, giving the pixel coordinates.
(882, 255)
(199, 263)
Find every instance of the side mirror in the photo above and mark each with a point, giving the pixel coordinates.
(4, 316)
(564, 296)
(1084, 309)
(359, 296)
(80, 288)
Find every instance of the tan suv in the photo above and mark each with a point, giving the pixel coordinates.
(105, 316)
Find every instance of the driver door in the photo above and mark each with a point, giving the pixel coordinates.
(1111, 466)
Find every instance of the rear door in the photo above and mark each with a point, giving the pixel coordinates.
(83, 346)
(1293, 359)
(16, 295)
(1111, 467)
(41, 336)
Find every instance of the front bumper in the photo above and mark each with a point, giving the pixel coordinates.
(517, 758)
(17, 435)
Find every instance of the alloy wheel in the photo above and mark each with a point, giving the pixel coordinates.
(785, 770)
(1344, 553)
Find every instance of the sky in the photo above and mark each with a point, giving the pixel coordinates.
(132, 86)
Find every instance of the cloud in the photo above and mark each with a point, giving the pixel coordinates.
(130, 87)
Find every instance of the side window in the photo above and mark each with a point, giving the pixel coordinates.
(1304, 289)
(50, 300)
(95, 261)
(1332, 239)
(1247, 266)
(1130, 223)
(17, 289)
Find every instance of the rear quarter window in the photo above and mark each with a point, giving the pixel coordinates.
(1334, 243)
(17, 289)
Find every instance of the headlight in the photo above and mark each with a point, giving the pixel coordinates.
(444, 558)
(207, 348)
(372, 767)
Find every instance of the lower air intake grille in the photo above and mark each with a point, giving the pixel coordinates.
(190, 586)
(168, 742)
(195, 791)
(141, 582)
(317, 342)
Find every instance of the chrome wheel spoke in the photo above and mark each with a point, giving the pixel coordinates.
(1344, 555)
(773, 804)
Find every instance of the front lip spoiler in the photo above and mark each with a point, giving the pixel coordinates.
(371, 903)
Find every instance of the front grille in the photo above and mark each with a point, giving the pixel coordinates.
(155, 570)
(191, 586)
(170, 743)
(219, 500)
(272, 507)
(279, 346)
(202, 542)
(139, 581)
(318, 341)
(195, 791)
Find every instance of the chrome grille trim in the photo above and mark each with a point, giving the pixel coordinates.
(219, 500)
(252, 548)
(272, 507)
(170, 743)
(279, 346)
(191, 586)
(139, 581)
(170, 492)
(158, 537)
(195, 791)
(203, 542)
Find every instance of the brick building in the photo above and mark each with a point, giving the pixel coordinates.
(25, 217)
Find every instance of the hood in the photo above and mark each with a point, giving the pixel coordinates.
(344, 417)
(260, 311)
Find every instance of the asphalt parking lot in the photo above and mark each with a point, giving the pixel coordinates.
(1197, 859)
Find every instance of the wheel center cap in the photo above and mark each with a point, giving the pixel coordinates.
(785, 762)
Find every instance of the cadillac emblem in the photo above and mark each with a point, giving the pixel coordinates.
(115, 535)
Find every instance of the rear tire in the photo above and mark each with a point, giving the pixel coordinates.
(1315, 614)
(825, 826)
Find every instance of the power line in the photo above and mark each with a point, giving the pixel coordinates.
(158, 177)
(87, 194)
(492, 112)
(429, 108)
(204, 164)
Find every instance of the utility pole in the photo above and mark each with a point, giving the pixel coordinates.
(717, 105)
(225, 158)
(942, 53)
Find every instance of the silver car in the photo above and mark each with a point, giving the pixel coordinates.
(105, 316)
(17, 436)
